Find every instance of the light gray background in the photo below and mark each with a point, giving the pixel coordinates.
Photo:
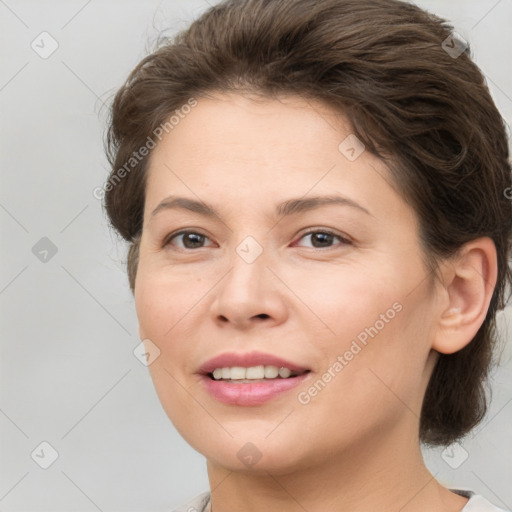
(68, 373)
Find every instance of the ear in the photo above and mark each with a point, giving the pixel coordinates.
(468, 284)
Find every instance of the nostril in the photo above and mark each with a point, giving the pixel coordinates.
(263, 315)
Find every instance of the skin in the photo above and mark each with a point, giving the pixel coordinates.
(354, 446)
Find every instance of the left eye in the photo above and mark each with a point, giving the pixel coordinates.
(323, 238)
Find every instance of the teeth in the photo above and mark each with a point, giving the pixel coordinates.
(284, 373)
(237, 373)
(251, 373)
(271, 372)
(254, 372)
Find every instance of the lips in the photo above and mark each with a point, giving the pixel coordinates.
(250, 393)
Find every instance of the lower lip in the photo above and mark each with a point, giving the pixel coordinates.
(247, 394)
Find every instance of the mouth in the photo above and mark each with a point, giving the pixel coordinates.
(250, 379)
(260, 373)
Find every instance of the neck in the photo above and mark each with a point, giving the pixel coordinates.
(378, 475)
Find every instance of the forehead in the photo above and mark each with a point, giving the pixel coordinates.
(254, 125)
(243, 149)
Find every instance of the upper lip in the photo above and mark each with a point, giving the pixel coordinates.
(229, 359)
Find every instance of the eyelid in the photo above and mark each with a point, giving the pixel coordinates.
(167, 240)
(346, 240)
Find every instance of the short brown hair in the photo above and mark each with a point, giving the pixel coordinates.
(427, 113)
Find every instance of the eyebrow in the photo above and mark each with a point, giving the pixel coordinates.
(284, 209)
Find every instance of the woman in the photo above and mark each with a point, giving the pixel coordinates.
(315, 196)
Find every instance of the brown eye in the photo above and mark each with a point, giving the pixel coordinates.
(190, 240)
(323, 238)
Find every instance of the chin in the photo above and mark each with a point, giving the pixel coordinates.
(275, 464)
(261, 456)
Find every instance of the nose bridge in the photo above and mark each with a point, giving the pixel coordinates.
(247, 290)
(248, 267)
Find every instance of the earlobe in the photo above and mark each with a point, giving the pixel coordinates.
(469, 282)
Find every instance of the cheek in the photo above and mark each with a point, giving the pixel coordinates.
(163, 299)
(379, 339)
(364, 390)
(345, 300)
(155, 309)
(382, 362)
(162, 313)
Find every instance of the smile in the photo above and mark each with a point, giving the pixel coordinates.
(250, 379)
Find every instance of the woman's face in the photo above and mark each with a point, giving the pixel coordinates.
(349, 303)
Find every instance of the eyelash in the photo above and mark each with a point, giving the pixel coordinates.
(344, 241)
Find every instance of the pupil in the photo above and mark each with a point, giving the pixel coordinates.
(197, 242)
(324, 237)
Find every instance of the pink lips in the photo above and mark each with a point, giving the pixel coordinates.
(251, 393)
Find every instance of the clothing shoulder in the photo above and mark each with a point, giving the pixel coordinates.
(199, 504)
(478, 503)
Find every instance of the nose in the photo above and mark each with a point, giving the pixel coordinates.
(249, 295)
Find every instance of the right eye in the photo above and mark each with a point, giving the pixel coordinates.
(190, 239)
